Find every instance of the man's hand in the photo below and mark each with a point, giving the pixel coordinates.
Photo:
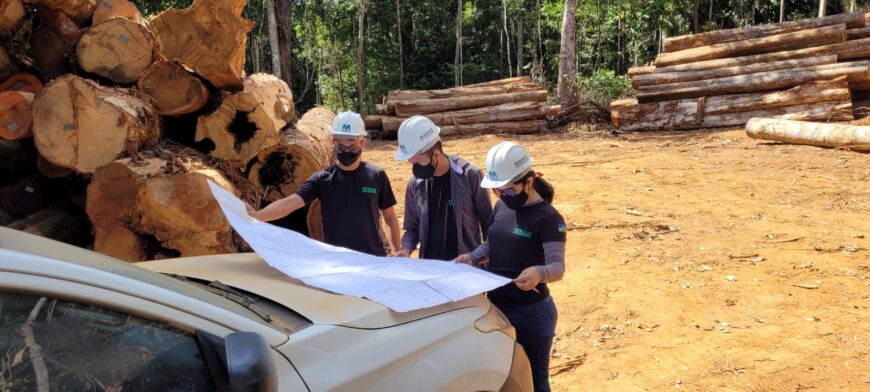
(528, 279)
(401, 253)
(251, 211)
(463, 259)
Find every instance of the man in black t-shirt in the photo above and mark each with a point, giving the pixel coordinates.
(353, 195)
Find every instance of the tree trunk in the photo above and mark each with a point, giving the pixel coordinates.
(79, 11)
(207, 37)
(360, 57)
(781, 10)
(118, 49)
(816, 134)
(683, 42)
(513, 111)
(507, 36)
(81, 125)
(108, 9)
(399, 36)
(567, 87)
(822, 100)
(793, 40)
(61, 222)
(511, 127)
(284, 17)
(457, 65)
(248, 121)
(172, 89)
(272, 24)
(401, 95)
(853, 34)
(539, 52)
(764, 81)
(11, 11)
(279, 171)
(426, 106)
(22, 82)
(16, 115)
(679, 77)
(823, 5)
(521, 35)
(696, 26)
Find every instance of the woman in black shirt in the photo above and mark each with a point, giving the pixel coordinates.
(526, 243)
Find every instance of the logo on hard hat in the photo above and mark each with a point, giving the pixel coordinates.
(492, 175)
(345, 127)
(427, 134)
(403, 149)
(521, 161)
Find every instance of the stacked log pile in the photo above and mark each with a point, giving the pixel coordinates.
(800, 70)
(515, 105)
(111, 124)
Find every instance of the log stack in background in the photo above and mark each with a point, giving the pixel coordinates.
(514, 105)
(111, 124)
(811, 69)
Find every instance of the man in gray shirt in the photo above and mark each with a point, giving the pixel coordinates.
(447, 213)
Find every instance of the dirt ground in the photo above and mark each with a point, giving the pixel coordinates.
(702, 261)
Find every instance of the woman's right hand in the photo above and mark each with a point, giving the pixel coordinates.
(251, 211)
(463, 259)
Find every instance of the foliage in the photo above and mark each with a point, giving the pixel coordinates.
(603, 86)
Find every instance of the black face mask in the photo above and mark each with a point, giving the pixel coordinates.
(348, 158)
(515, 201)
(425, 172)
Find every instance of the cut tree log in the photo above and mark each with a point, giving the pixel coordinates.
(501, 82)
(82, 126)
(509, 127)
(821, 100)
(50, 170)
(248, 121)
(426, 106)
(855, 137)
(763, 81)
(674, 44)
(61, 222)
(22, 82)
(637, 71)
(511, 111)
(23, 198)
(280, 170)
(108, 9)
(79, 11)
(172, 89)
(52, 42)
(16, 114)
(156, 204)
(679, 77)
(17, 157)
(207, 37)
(374, 122)
(794, 40)
(118, 49)
(11, 11)
(853, 34)
(406, 95)
(8, 67)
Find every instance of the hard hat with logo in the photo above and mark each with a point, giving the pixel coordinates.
(504, 163)
(416, 134)
(348, 125)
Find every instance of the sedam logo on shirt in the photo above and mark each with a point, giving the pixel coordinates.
(368, 189)
(522, 232)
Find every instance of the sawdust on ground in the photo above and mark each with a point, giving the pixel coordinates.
(701, 261)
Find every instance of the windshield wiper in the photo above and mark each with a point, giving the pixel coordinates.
(229, 293)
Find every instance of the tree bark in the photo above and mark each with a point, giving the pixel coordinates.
(678, 77)
(816, 134)
(284, 17)
(207, 37)
(853, 34)
(501, 82)
(360, 57)
(52, 42)
(16, 115)
(457, 64)
(172, 89)
(272, 24)
(8, 67)
(82, 126)
(781, 10)
(248, 121)
(118, 49)
(567, 88)
(399, 36)
(793, 40)
(763, 81)
(513, 111)
(521, 35)
(11, 11)
(108, 9)
(823, 5)
(402, 95)
(683, 42)
(426, 106)
(696, 27)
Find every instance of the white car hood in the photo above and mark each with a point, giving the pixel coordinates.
(247, 271)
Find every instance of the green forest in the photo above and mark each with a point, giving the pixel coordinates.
(413, 44)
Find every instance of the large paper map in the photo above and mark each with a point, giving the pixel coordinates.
(401, 284)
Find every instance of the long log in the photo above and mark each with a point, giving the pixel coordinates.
(816, 134)
(406, 95)
(794, 40)
(108, 9)
(853, 34)
(679, 77)
(374, 122)
(511, 111)
(764, 81)
(426, 106)
(11, 11)
(16, 115)
(280, 170)
(501, 82)
(82, 126)
(173, 90)
(509, 127)
(836, 90)
(118, 49)
(79, 11)
(23, 82)
(157, 204)
(637, 71)
(674, 44)
(250, 120)
(208, 37)
(61, 222)
(8, 67)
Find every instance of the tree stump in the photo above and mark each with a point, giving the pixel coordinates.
(16, 115)
(82, 126)
(118, 49)
(208, 37)
(248, 121)
(174, 91)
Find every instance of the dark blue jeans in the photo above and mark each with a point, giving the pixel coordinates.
(536, 326)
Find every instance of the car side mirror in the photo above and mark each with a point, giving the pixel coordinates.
(250, 367)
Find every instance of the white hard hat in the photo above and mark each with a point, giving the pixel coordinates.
(504, 163)
(416, 134)
(348, 125)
